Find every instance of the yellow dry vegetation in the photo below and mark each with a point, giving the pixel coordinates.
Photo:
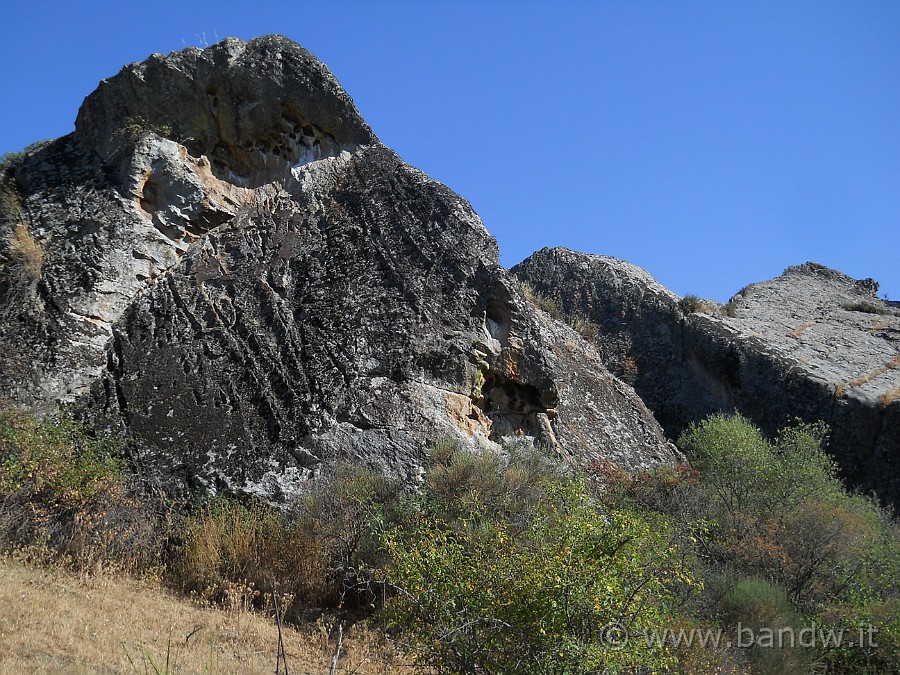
(55, 622)
(862, 379)
(889, 397)
(799, 329)
(879, 325)
(893, 363)
(27, 253)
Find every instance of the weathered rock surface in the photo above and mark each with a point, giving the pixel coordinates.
(812, 343)
(236, 274)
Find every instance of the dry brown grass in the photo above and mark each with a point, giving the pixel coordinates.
(54, 622)
(542, 302)
(890, 365)
(880, 325)
(862, 379)
(21, 267)
(27, 253)
(799, 329)
(889, 397)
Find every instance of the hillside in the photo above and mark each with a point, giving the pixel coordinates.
(251, 354)
(55, 622)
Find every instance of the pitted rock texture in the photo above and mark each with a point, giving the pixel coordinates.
(812, 344)
(253, 109)
(251, 303)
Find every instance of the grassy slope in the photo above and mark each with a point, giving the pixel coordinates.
(51, 621)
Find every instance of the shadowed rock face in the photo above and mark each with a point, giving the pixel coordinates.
(255, 295)
(812, 344)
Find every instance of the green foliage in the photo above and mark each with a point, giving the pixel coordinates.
(508, 562)
(63, 497)
(55, 462)
(501, 569)
(779, 541)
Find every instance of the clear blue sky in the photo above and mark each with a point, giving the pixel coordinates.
(712, 143)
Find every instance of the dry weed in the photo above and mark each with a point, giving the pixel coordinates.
(799, 329)
(862, 379)
(21, 267)
(889, 397)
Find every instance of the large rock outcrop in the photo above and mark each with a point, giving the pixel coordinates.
(234, 272)
(812, 344)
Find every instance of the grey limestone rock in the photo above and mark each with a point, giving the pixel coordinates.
(239, 277)
(812, 344)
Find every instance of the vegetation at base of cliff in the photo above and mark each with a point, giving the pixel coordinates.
(780, 544)
(509, 562)
(63, 497)
(509, 566)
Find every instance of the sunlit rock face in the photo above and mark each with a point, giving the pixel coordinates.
(812, 344)
(240, 278)
(254, 109)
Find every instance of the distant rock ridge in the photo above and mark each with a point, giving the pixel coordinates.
(812, 344)
(230, 269)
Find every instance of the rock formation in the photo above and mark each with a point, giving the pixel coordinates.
(812, 344)
(227, 266)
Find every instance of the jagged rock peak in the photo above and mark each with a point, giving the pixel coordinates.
(250, 107)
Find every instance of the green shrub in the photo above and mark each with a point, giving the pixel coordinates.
(55, 462)
(63, 496)
(503, 570)
(762, 609)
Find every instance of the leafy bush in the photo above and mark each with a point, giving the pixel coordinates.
(55, 462)
(501, 569)
(779, 541)
(63, 495)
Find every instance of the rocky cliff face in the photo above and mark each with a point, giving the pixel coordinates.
(224, 263)
(812, 343)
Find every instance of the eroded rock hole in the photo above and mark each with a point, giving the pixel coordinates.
(149, 197)
(514, 409)
(497, 321)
